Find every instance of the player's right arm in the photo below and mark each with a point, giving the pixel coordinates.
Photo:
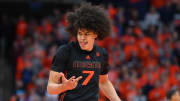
(57, 67)
(54, 87)
(59, 64)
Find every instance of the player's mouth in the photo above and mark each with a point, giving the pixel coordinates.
(83, 44)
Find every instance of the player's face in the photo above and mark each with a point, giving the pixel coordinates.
(176, 96)
(86, 39)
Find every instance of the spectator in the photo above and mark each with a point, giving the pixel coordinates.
(173, 95)
(152, 17)
(177, 17)
(21, 29)
(139, 96)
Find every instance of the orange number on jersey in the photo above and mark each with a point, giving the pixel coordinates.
(91, 73)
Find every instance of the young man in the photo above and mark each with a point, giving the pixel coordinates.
(173, 95)
(80, 68)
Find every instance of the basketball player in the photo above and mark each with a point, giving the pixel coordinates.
(80, 68)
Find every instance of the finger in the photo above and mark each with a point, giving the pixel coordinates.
(60, 76)
(71, 79)
(63, 77)
(79, 78)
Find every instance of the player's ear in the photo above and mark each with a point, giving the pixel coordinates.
(95, 36)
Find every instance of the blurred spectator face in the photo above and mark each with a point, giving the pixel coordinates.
(134, 13)
(153, 10)
(121, 11)
(129, 31)
(34, 96)
(167, 64)
(86, 39)
(121, 19)
(175, 96)
(19, 84)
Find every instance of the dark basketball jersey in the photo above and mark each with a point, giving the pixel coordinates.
(73, 61)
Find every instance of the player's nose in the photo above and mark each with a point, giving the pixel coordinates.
(83, 37)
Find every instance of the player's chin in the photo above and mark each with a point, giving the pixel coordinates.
(83, 48)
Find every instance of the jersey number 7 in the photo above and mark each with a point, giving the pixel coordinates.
(91, 73)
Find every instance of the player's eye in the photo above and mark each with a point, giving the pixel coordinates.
(86, 34)
(80, 33)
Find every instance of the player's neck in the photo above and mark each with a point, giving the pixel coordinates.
(90, 49)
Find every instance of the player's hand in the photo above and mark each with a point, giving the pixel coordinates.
(71, 83)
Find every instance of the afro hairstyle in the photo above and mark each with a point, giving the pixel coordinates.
(93, 18)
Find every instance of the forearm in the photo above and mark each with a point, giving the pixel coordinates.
(109, 91)
(54, 88)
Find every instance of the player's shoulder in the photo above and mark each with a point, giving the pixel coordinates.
(102, 51)
(65, 48)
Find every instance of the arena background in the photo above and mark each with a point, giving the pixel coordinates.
(144, 47)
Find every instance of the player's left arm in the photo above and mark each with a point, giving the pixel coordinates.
(107, 88)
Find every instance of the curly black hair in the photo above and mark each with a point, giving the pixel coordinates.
(89, 17)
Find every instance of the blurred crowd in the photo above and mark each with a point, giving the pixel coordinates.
(143, 47)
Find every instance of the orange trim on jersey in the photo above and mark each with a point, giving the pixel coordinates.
(88, 57)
